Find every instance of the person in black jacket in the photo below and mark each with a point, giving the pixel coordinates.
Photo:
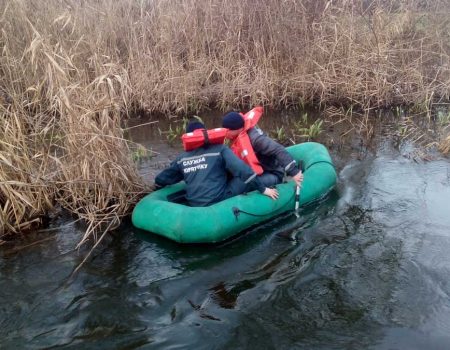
(206, 171)
(273, 157)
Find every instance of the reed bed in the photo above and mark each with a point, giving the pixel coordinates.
(61, 122)
(25, 195)
(70, 71)
(97, 179)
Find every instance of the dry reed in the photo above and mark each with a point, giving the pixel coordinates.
(187, 55)
(66, 144)
(25, 195)
(444, 146)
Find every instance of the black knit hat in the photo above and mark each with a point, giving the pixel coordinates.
(194, 125)
(233, 121)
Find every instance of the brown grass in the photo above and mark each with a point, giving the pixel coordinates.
(69, 71)
(63, 142)
(191, 54)
(25, 195)
(445, 146)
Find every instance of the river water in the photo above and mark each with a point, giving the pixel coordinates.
(369, 269)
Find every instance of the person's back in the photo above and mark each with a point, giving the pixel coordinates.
(271, 155)
(204, 173)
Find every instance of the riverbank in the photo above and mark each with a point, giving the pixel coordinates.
(71, 72)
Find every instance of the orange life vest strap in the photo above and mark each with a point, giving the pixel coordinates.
(242, 146)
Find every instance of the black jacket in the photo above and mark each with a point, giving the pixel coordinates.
(205, 171)
(272, 156)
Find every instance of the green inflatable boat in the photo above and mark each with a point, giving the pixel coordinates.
(162, 213)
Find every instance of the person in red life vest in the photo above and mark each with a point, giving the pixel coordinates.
(267, 158)
(206, 167)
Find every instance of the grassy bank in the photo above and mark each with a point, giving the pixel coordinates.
(69, 72)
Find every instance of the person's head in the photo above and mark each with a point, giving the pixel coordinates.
(194, 124)
(234, 122)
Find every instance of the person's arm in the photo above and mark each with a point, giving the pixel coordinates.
(239, 169)
(169, 176)
(298, 178)
(264, 145)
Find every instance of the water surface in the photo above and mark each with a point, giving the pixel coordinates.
(369, 270)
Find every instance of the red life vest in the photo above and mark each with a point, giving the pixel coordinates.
(196, 139)
(242, 146)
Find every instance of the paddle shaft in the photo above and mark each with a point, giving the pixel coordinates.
(297, 190)
(297, 198)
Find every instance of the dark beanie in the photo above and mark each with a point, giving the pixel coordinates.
(194, 125)
(233, 121)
